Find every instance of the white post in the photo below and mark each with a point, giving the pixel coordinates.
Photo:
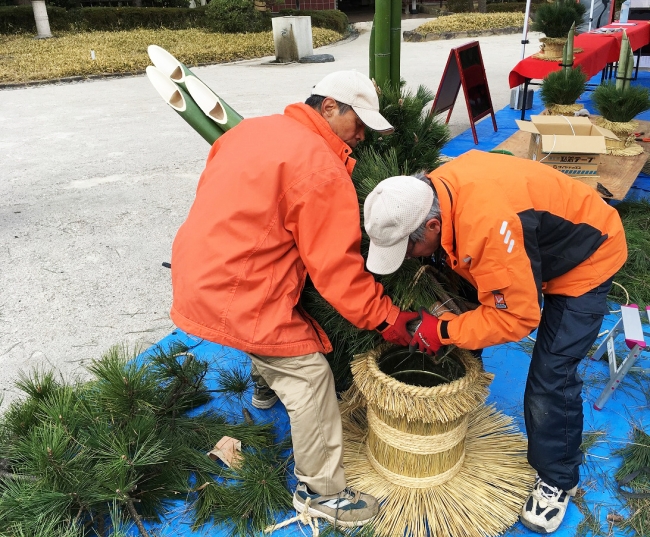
(42, 22)
(591, 14)
(524, 35)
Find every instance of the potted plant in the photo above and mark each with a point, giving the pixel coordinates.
(620, 103)
(561, 89)
(555, 20)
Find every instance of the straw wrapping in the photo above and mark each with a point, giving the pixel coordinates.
(415, 443)
(414, 482)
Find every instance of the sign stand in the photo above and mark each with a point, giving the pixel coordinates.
(630, 325)
(465, 68)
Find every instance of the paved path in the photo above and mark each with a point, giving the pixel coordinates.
(97, 176)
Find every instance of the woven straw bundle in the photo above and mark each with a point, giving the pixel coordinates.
(440, 461)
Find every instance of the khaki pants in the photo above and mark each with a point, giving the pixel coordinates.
(305, 385)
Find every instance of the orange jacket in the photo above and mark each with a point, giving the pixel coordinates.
(274, 203)
(515, 229)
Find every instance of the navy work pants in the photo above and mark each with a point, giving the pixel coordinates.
(553, 400)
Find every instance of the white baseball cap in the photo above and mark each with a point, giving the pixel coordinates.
(358, 91)
(392, 211)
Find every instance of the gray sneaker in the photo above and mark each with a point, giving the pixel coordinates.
(545, 508)
(263, 396)
(349, 508)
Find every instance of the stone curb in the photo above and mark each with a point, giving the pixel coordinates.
(416, 37)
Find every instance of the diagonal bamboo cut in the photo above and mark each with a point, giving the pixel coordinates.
(184, 105)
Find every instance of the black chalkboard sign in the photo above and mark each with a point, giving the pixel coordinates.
(465, 68)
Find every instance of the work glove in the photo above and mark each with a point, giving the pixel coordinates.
(397, 333)
(425, 338)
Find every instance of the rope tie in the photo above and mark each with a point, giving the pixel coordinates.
(415, 482)
(301, 516)
(415, 443)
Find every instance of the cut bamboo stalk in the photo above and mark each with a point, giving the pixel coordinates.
(382, 41)
(211, 104)
(568, 60)
(169, 65)
(184, 105)
(621, 83)
(629, 67)
(371, 50)
(395, 41)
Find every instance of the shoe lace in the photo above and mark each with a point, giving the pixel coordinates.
(350, 494)
(546, 491)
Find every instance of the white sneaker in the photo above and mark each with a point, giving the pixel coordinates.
(545, 508)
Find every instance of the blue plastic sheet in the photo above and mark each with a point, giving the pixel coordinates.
(627, 406)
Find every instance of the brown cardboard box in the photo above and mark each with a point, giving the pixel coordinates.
(572, 145)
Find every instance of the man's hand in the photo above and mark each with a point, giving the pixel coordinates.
(397, 333)
(425, 338)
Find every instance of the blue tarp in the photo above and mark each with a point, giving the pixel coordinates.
(629, 404)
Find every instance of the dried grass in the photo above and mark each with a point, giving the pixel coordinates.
(444, 403)
(24, 59)
(465, 22)
(484, 498)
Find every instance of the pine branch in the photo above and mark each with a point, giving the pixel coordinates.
(136, 517)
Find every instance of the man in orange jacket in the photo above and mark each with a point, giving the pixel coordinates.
(274, 204)
(522, 233)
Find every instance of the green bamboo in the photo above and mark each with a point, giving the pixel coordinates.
(382, 41)
(565, 67)
(184, 105)
(568, 59)
(212, 105)
(621, 83)
(628, 69)
(395, 41)
(371, 55)
(178, 72)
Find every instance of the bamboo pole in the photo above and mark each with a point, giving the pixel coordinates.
(382, 41)
(371, 50)
(184, 105)
(211, 104)
(179, 73)
(568, 60)
(629, 68)
(169, 65)
(621, 83)
(395, 41)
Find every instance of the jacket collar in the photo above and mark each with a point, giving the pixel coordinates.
(447, 198)
(315, 122)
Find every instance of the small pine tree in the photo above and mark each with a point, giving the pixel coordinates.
(620, 105)
(555, 19)
(563, 87)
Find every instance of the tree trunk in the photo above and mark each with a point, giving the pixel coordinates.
(482, 6)
(42, 20)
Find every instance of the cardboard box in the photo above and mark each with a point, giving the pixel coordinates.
(572, 145)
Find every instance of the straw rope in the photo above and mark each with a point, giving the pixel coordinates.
(563, 109)
(483, 499)
(415, 443)
(414, 482)
(301, 516)
(445, 402)
(619, 128)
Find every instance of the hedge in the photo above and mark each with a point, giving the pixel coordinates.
(330, 19)
(19, 19)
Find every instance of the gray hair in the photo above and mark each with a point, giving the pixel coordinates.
(315, 101)
(434, 212)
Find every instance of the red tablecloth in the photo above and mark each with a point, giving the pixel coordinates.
(599, 49)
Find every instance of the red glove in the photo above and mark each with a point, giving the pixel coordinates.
(425, 338)
(397, 333)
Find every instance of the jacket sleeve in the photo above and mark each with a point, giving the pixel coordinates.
(325, 223)
(508, 291)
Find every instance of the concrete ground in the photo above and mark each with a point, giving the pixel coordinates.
(97, 176)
